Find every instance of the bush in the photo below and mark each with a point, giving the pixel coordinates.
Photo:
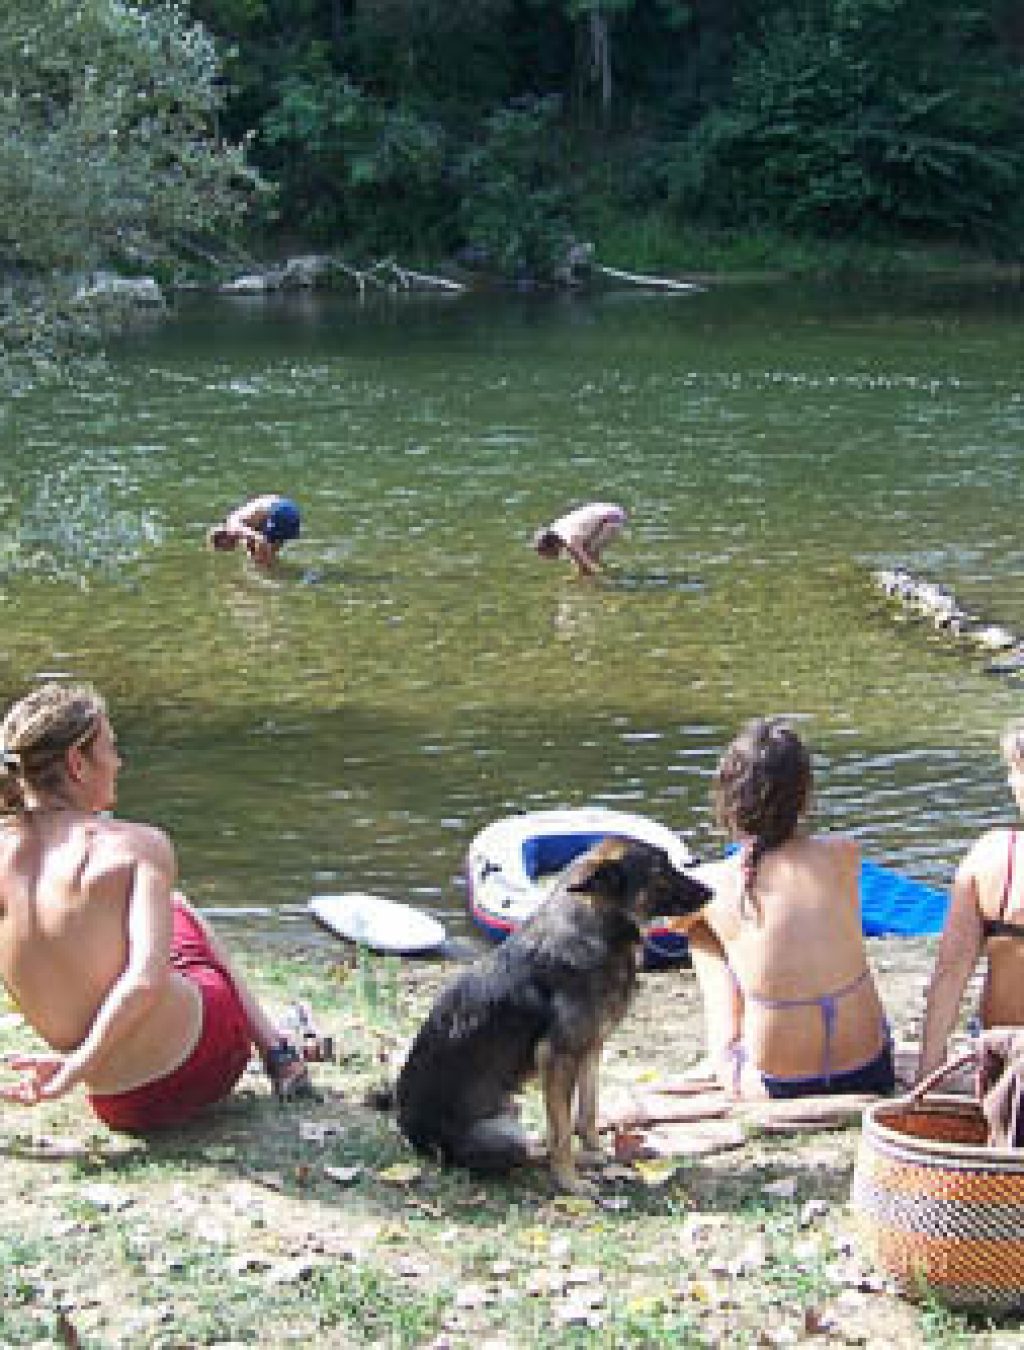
(514, 205)
(109, 157)
(835, 124)
(348, 164)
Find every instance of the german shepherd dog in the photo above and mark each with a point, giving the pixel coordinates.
(543, 1002)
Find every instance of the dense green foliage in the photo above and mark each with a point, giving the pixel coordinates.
(108, 152)
(878, 115)
(506, 126)
(106, 145)
(501, 130)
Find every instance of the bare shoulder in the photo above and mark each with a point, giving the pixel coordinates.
(841, 844)
(138, 842)
(839, 849)
(832, 866)
(987, 853)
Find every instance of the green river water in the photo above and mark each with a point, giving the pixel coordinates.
(413, 670)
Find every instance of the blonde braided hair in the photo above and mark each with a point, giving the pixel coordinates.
(36, 735)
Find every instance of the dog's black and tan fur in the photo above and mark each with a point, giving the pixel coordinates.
(543, 1002)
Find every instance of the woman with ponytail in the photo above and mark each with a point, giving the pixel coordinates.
(132, 993)
(791, 1007)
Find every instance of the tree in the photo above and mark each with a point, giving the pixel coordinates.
(594, 62)
(893, 117)
(514, 204)
(108, 150)
(348, 163)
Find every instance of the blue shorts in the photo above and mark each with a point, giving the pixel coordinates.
(283, 521)
(878, 1075)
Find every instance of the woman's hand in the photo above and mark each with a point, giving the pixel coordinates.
(43, 1078)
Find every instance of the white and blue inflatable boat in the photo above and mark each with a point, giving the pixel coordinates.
(513, 863)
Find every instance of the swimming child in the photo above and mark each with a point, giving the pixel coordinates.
(582, 534)
(262, 524)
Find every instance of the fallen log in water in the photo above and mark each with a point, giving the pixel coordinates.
(931, 602)
(389, 274)
(320, 271)
(644, 280)
(324, 270)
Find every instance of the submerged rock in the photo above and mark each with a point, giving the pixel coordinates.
(928, 600)
(106, 288)
(251, 283)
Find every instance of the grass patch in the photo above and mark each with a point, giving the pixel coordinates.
(374, 1307)
(654, 241)
(315, 1224)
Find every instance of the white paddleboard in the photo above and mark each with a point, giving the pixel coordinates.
(383, 925)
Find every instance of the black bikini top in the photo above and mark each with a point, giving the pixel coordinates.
(1001, 927)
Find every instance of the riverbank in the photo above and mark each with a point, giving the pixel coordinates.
(656, 242)
(51, 328)
(621, 255)
(313, 1224)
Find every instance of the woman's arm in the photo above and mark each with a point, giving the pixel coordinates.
(959, 948)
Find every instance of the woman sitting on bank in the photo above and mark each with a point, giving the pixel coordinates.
(986, 915)
(133, 994)
(791, 1007)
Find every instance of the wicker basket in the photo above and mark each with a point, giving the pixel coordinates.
(942, 1214)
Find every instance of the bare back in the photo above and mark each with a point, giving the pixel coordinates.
(799, 943)
(67, 881)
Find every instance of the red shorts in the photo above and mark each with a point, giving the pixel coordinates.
(220, 1055)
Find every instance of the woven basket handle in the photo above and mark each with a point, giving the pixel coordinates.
(937, 1075)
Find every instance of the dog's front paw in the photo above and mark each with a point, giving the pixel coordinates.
(536, 1150)
(589, 1135)
(591, 1154)
(569, 1182)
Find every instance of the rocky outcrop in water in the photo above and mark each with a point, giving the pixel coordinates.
(106, 289)
(931, 602)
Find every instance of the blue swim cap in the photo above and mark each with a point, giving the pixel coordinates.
(283, 521)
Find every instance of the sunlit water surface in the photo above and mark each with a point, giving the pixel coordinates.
(413, 670)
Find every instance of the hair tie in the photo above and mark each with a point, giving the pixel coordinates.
(11, 761)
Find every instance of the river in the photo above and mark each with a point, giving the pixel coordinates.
(413, 670)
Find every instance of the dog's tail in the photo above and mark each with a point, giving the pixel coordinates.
(382, 1097)
(492, 1146)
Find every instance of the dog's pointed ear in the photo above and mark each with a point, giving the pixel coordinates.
(607, 878)
(699, 890)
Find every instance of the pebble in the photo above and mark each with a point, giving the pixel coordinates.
(812, 1211)
(785, 1189)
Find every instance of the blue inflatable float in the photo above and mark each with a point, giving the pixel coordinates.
(894, 905)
